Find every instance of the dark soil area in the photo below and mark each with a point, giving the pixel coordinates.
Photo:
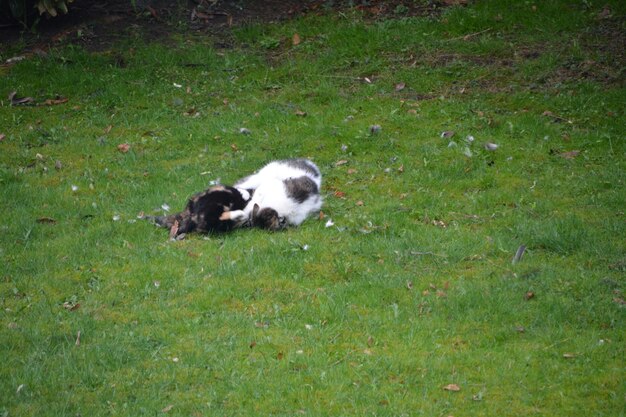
(97, 25)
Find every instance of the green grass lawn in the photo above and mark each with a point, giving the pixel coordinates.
(409, 296)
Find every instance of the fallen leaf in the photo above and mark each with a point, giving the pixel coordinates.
(280, 356)
(2, 136)
(529, 295)
(400, 86)
(108, 129)
(252, 344)
(123, 147)
(605, 13)
(295, 39)
(401, 169)
(71, 306)
(351, 171)
(619, 300)
(569, 154)
(340, 194)
(48, 220)
(56, 100)
(167, 409)
(234, 147)
(300, 113)
(452, 387)
(569, 355)
(192, 112)
(359, 203)
(341, 162)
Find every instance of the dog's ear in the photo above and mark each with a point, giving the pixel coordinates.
(255, 211)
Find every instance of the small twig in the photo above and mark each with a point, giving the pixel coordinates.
(468, 36)
(418, 253)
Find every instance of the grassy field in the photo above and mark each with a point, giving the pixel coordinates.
(409, 305)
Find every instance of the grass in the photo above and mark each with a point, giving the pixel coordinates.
(412, 290)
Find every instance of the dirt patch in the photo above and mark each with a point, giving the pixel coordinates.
(98, 25)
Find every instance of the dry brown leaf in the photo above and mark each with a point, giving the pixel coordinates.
(56, 100)
(569, 154)
(619, 300)
(529, 295)
(167, 409)
(359, 203)
(341, 162)
(123, 147)
(48, 220)
(295, 39)
(300, 113)
(340, 194)
(452, 387)
(108, 129)
(234, 147)
(400, 86)
(280, 356)
(252, 344)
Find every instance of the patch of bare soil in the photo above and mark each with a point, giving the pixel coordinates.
(98, 25)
